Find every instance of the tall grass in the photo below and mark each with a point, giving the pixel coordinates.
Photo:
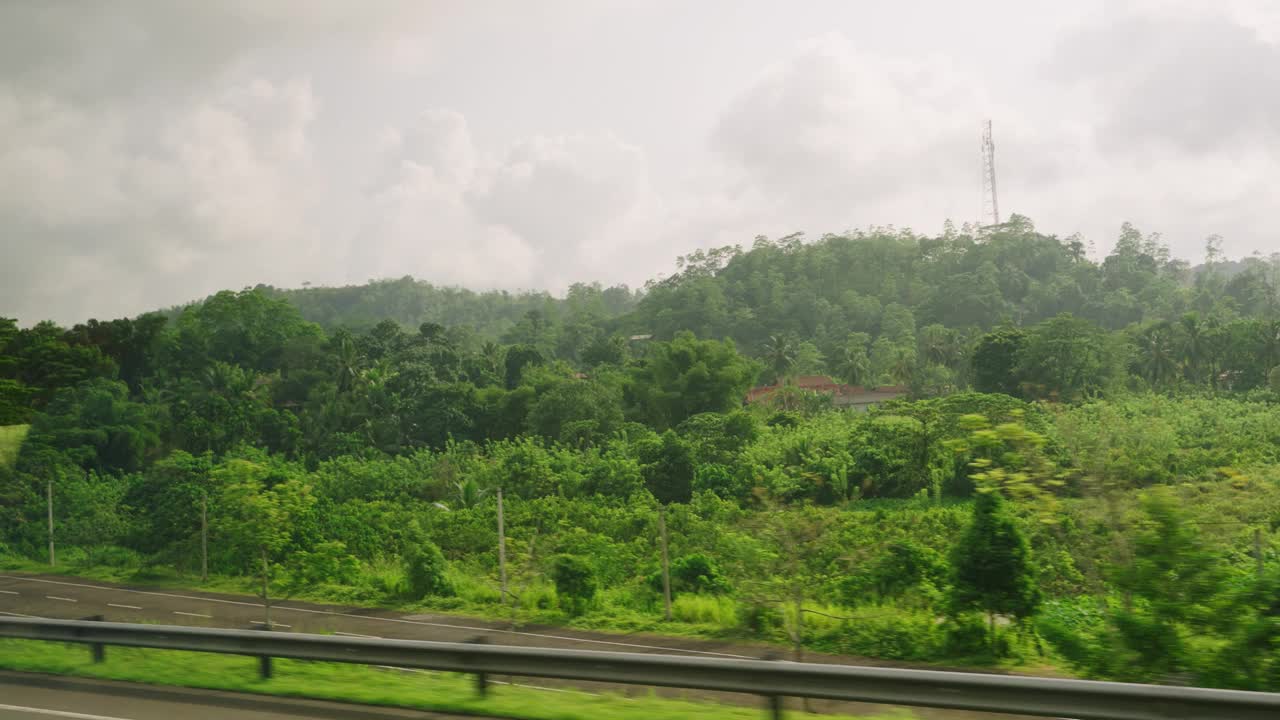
(716, 610)
(386, 577)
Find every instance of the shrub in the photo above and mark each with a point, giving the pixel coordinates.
(967, 636)
(328, 563)
(575, 583)
(896, 636)
(760, 619)
(694, 573)
(424, 567)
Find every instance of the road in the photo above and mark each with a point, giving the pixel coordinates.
(28, 697)
(75, 598)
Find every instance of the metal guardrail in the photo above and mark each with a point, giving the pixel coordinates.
(1082, 699)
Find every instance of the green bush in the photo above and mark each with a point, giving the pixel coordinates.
(575, 583)
(760, 619)
(886, 634)
(424, 566)
(694, 573)
(967, 636)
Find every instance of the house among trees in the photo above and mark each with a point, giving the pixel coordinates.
(842, 396)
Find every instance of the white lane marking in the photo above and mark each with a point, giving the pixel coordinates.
(334, 613)
(55, 597)
(371, 637)
(9, 592)
(274, 624)
(2, 612)
(126, 607)
(179, 612)
(59, 713)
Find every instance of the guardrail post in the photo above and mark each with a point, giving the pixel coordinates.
(773, 703)
(264, 661)
(98, 650)
(482, 678)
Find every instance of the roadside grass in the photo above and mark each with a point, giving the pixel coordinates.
(439, 691)
(694, 617)
(11, 437)
(380, 589)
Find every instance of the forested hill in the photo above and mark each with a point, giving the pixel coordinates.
(881, 283)
(869, 282)
(410, 302)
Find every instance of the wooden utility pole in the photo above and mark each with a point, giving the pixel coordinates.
(266, 597)
(204, 537)
(666, 567)
(502, 550)
(48, 491)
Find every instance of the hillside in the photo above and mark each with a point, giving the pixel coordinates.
(1090, 427)
(412, 302)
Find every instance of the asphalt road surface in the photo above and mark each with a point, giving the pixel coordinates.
(37, 697)
(75, 598)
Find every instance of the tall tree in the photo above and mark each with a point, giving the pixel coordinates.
(685, 377)
(258, 523)
(995, 361)
(992, 567)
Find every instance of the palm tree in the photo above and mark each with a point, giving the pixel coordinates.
(1271, 344)
(854, 366)
(491, 354)
(1158, 353)
(780, 354)
(904, 365)
(227, 380)
(1193, 345)
(468, 493)
(937, 345)
(346, 362)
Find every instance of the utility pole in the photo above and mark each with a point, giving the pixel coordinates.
(48, 491)
(502, 550)
(666, 567)
(204, 537)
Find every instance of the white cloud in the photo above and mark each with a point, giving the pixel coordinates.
(179, 201)
(156, 151)
(563, 192)
(533, 215)
(832, 133)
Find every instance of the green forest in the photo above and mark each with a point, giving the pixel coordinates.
(1083, 472)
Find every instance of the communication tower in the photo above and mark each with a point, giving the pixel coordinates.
(990, 205)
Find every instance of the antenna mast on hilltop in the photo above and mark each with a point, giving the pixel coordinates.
(990, 206)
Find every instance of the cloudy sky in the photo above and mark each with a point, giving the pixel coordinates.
(154, 152)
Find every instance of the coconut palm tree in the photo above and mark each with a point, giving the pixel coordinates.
(1158, 353)
(854, 366)
(780, 355)
(468, 493)
(1193, 345)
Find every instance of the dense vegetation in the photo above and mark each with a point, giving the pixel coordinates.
(1087, 469)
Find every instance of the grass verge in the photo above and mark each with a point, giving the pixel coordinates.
(443, 692)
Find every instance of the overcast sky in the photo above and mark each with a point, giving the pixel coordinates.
(154, 152)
